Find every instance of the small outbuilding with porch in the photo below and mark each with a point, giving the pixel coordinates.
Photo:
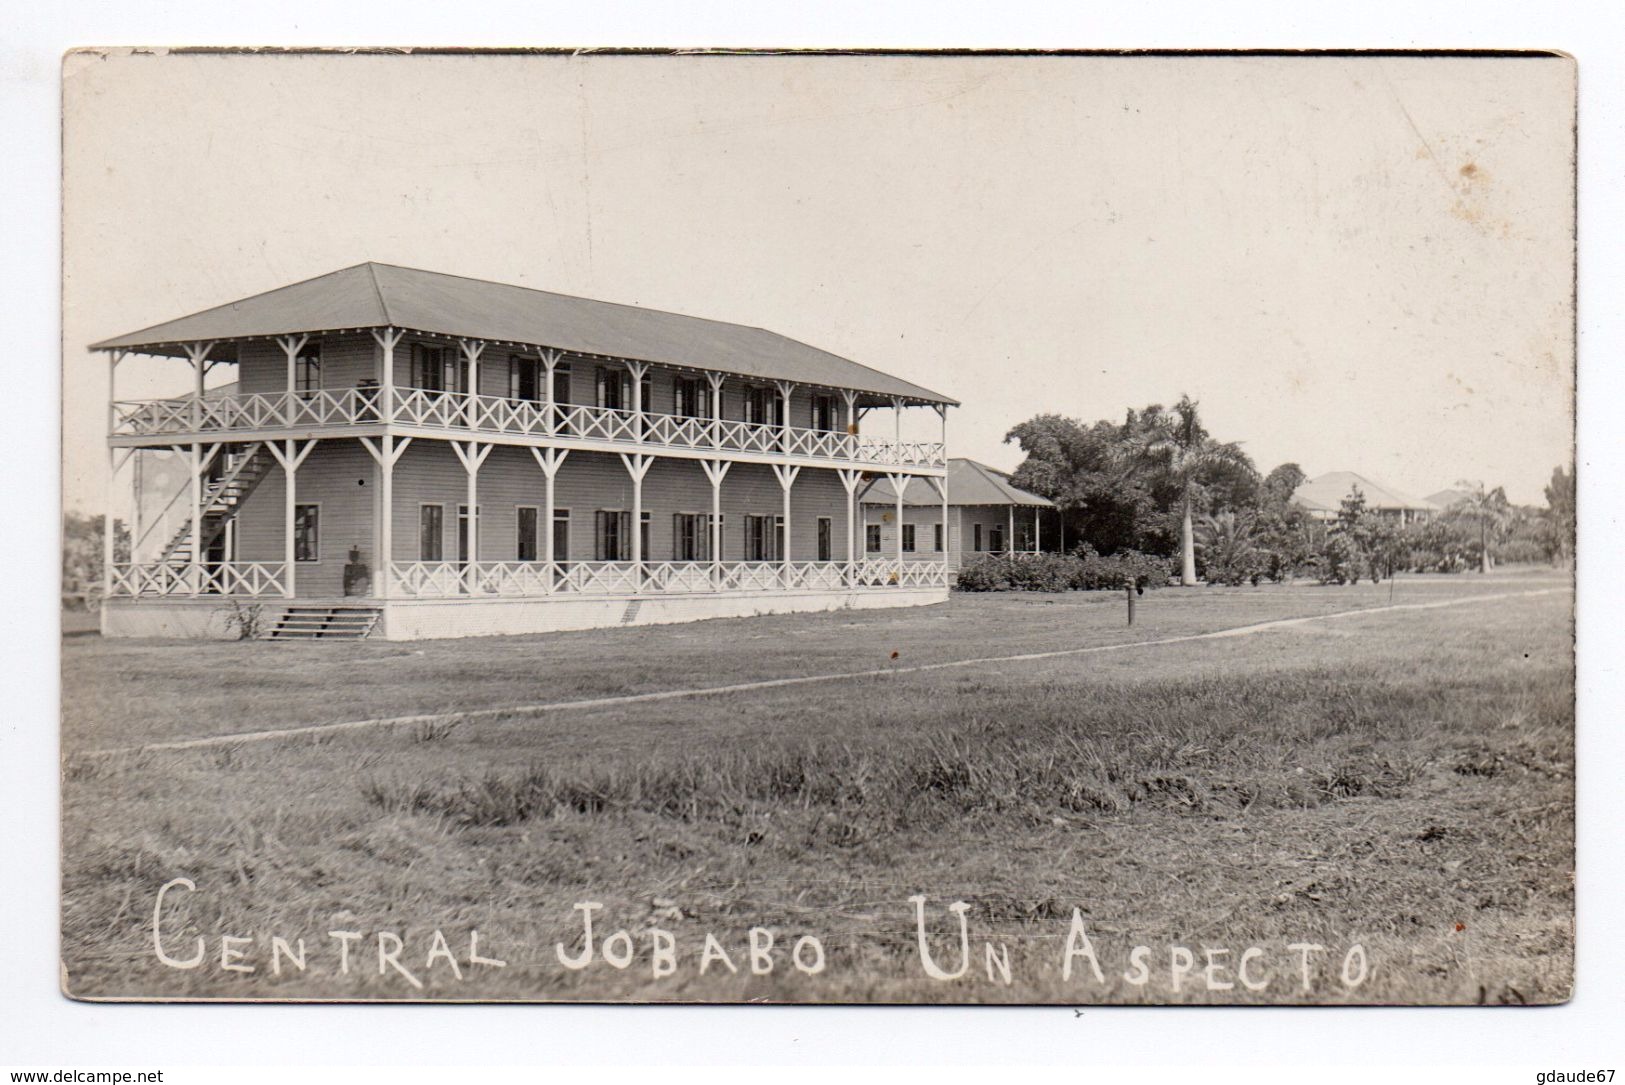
(982, 513)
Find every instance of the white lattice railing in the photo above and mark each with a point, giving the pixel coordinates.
(522, 579)
(242, 578)
(497, 415)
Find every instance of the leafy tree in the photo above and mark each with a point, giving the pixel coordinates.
(82, 557)
(1171, 447)
(1078, 467)
(1559, 519)
(1280, 484)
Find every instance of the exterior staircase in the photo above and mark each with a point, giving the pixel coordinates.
(325, 621)
(222, 499)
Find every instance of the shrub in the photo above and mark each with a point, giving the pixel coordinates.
(1081, 570)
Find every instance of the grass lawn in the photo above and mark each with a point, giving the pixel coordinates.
(1401, 780)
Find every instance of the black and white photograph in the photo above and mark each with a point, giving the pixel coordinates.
(860, 527)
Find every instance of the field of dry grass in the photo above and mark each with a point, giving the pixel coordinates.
(1401, 781)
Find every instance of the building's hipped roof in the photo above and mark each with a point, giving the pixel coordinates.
(382, 295)
(969, 483)
(1325, 493)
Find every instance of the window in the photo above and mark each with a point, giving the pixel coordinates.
(561, 534)
(908, 538)
(764, 537)
(525, 378)
(614, 390)
(308, 368)
(825, 415)
(689, 537)
(462, 531)
(693, 397)
(306, 532)
(438, 369)
(826, 531)
(936, 536)
(615, 535)
(528, 538)
(764, 406)
(976, 537)
(871, 539)
(431, 532)
(995, 538)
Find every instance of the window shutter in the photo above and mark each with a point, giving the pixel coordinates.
(601, 541)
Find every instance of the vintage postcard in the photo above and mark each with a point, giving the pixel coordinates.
(818, 527)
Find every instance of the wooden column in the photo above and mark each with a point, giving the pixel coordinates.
(638, 370)
(899, 483)
(942, 486)
(786, 476)
(289, 457)
(716, 471)
(715, 380)
(550, 362)
(109, 498)
(1010, 540)
(291, 346)
(785, 388)
(386, 451)
(472, 349)
(472, 457)
(1037, 531)
(199, 354)
(387, 339)
(850, 477)
(197, 517)
(637, 465)
(549, 460)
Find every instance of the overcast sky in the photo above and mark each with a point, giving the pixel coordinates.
(1353, 263)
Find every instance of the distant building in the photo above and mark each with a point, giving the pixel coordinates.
(1321, 497)
(1445, 498)
(984, 514)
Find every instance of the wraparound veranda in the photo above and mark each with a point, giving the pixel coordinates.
(527, 461)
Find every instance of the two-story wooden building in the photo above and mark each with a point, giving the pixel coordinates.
(423, 455)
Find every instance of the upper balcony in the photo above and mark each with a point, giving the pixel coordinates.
(459, 415)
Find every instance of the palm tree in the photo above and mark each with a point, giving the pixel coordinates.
(1172, 444)
(1491, 510)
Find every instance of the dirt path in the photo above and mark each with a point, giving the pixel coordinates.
(801, 680)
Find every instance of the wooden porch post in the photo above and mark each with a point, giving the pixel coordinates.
(899, 483)
(289, 457)
(1010, 541)
(472, 349)
(785, 388)
(197, 517)
(472, 457)
(850, 477)
(199, 354)
(942, 486)
(716, 471)
(715, 380)
(550, 362)
(638, 370)
(549, 460)
(113, 360)
(637, 465)
(387, 339)
(291, 346)
(385, 453)
(786, 476)
(1038, 529)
